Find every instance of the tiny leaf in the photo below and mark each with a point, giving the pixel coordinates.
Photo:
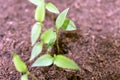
(68, 25)
(45, 60)
(53, 39)
(36, 50)
(19, 64)
(37, 2)
(47, 36)
(52, 8)
(24, 77)
(35, 32)
(64, 62)
(61, 18)
(40, 13)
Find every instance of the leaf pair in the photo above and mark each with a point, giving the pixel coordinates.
(48, 37)
(64, 23)
(58, 60)
(40, 10)
(61, 18)
(49, 6)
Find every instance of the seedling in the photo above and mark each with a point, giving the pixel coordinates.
(48, 37)
(21, 67)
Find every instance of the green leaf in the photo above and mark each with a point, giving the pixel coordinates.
(68, 25)
(45, 60)
(40, 13)
(52, 41)
(64, 62)
(37, 2)
(61, 18)
(19, 64)
(52, 8)
(24, 77)
(47, 36)
(35, 33)
(36, 50)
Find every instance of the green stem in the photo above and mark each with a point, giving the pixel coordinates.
(32, 75)
(57, 32)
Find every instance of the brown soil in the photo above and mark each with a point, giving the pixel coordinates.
(95, 46)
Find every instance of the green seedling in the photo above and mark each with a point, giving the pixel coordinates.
(22, 67)
(49, 37)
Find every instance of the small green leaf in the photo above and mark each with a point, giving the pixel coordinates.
(52, 8)
(64, 62)
(52, 41)
(24, 77)
(61, 18)
(68, 25)
(19, 64)
(40, 13)
(37, 2)
(36, 50)
(35, 33)
(45, 60)
(47, 36)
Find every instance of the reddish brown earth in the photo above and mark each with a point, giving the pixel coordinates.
(94, 46)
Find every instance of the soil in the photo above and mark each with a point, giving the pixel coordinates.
(94, 46)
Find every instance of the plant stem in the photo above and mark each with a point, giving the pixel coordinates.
(57, 32)
(32, 75)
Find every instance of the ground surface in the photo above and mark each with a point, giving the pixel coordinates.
(95, 46)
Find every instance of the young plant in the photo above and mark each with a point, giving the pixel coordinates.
(48, 37)
(22, 68)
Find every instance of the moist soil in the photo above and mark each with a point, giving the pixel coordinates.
(94, 46)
